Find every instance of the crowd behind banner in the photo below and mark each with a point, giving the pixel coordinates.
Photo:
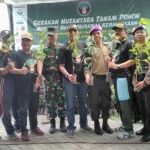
(67, 72)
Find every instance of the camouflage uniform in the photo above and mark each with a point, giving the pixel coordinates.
(55, 96)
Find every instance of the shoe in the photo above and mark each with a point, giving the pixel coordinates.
(70, 133)
(52, 128)
(86, 129)
(63, 128)
(37, 131)
(62, 125)
(126, 135)
(18, 130)
(46, 121)
(136, 119)
(140, 132)
(12, 136)
(145, 138)
(25, 137)
(98, 130)
(120, 129)
(107, 129)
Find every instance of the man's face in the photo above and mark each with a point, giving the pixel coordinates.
(140, 35)
(26, 44)
(122, 33)
(52, 39)
(70, 33)
(97, 36)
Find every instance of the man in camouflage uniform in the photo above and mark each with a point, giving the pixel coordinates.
(55, 96)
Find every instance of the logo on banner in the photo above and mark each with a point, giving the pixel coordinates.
(19, 12)
(84, 8)
(19, 22)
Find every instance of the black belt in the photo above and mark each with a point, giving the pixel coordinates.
(99, 76)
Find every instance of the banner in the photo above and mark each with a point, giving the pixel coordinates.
(19, 23)
(85, 14)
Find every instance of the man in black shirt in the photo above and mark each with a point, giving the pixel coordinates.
(7, 85)
(122, 78)
(72, 68)
(142, 86)
(25, 84)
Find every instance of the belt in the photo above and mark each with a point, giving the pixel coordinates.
(99, 76)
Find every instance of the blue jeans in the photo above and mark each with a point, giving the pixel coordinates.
(8, 94)
(71, 90)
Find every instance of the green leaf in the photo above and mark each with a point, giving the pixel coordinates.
(74, 46)
(143, 21)
(148, 58)
(39, 52)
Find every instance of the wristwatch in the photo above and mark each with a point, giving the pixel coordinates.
(66, 76)
(118, 65)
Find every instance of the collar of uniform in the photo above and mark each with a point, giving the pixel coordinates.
(5, 50)
(122, 40)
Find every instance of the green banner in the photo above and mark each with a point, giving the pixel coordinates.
(85, 14)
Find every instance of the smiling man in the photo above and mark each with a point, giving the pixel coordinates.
(27, 99)
(100, 88)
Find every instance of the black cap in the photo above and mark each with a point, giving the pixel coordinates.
(142, 27)
(73, 26)
(5, 33)
(51, 31)
(119, 26)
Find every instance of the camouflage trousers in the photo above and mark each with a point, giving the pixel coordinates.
(55, 100)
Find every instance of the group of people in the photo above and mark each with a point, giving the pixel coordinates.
(69, 77)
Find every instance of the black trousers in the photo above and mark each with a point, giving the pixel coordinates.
(21, 103)
(144, 105)
(100, 98)
(124, 107)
